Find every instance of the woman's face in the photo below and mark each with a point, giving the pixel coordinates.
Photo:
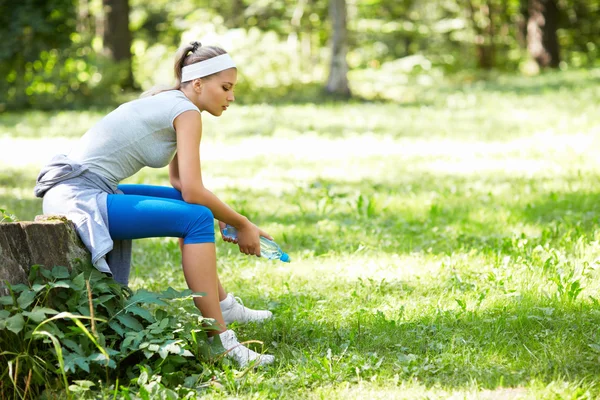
(217, 92)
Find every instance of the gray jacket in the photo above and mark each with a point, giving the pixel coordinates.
(71, 189)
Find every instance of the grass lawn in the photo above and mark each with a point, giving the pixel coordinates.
(443, 248)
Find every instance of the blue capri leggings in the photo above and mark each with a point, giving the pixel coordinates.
(157, 211)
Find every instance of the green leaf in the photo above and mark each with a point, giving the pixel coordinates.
(6, 216)
(191, 381)
(164, 323)
(172, 346)
(33, 270)
(102, 360)
(26, 298)
(81, 386)
(143, 378)
(171, 293)
(60, 284)
(146, 297)
(6, 300)
(73, 359)
(127, 342)
(38, 314)
(103, 298)
(130, 322)
(3, 316)
(142, 312)
(37, 287)
(60, 272)
(85, 384)
(79, 282)
(19, 287)
(46, 273)
(15, 323)
(117, 328)
(159, 314)
(35, 316)
(74, 346)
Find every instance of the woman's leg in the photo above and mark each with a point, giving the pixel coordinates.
(136, 217)
(231, 308)
(166, 192)
(200, 270)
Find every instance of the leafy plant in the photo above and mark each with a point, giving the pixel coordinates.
(7, 216)
(66, 330)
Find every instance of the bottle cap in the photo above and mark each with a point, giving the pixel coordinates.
(284, 257)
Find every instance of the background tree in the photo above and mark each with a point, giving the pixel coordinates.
(542, 25)
(337, 83)
(117, 37)
(481, 15)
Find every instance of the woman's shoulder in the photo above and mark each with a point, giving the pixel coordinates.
(170, 94)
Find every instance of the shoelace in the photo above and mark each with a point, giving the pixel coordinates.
(240, 302)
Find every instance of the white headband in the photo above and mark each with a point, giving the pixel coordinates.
(206, 67)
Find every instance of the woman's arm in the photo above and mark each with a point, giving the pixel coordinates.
(174, 173)
(188, 126)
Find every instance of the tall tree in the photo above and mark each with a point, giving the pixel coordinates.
(482, 19)
(337, 83)
(117, 36)
(542, 41)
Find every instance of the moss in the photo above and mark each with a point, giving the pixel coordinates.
(50, 218)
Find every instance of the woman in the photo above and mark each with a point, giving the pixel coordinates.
(156, 130)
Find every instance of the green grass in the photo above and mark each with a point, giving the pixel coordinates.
(444, 246)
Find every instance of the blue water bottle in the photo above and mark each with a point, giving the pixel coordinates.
(268, 248)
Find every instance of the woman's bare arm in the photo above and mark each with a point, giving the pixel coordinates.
(174, 173)
(188, 126)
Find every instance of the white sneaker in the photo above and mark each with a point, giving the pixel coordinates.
(233, 310)
(240, 353)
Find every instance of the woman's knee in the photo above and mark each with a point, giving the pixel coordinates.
(201, 228)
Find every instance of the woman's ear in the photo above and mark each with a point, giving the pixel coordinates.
(197, 84)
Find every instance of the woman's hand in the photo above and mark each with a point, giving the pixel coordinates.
(249, 238)
(222, 226)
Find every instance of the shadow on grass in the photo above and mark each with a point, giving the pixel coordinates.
(340, 215)
(575, 211)
(507, 344)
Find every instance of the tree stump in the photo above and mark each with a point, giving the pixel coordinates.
(50, 240)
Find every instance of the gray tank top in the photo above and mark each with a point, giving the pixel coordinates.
(137, 134)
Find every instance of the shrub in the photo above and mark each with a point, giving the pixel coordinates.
(65, 331)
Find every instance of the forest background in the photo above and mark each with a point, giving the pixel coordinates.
(78, 53)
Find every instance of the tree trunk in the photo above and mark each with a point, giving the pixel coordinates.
(337, 83)
(542, 41)
(484, 37)
(117, 36)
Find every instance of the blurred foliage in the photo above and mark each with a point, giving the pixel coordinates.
(45, 62)
(52, 54)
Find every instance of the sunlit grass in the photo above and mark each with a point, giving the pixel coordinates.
(446, 248)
